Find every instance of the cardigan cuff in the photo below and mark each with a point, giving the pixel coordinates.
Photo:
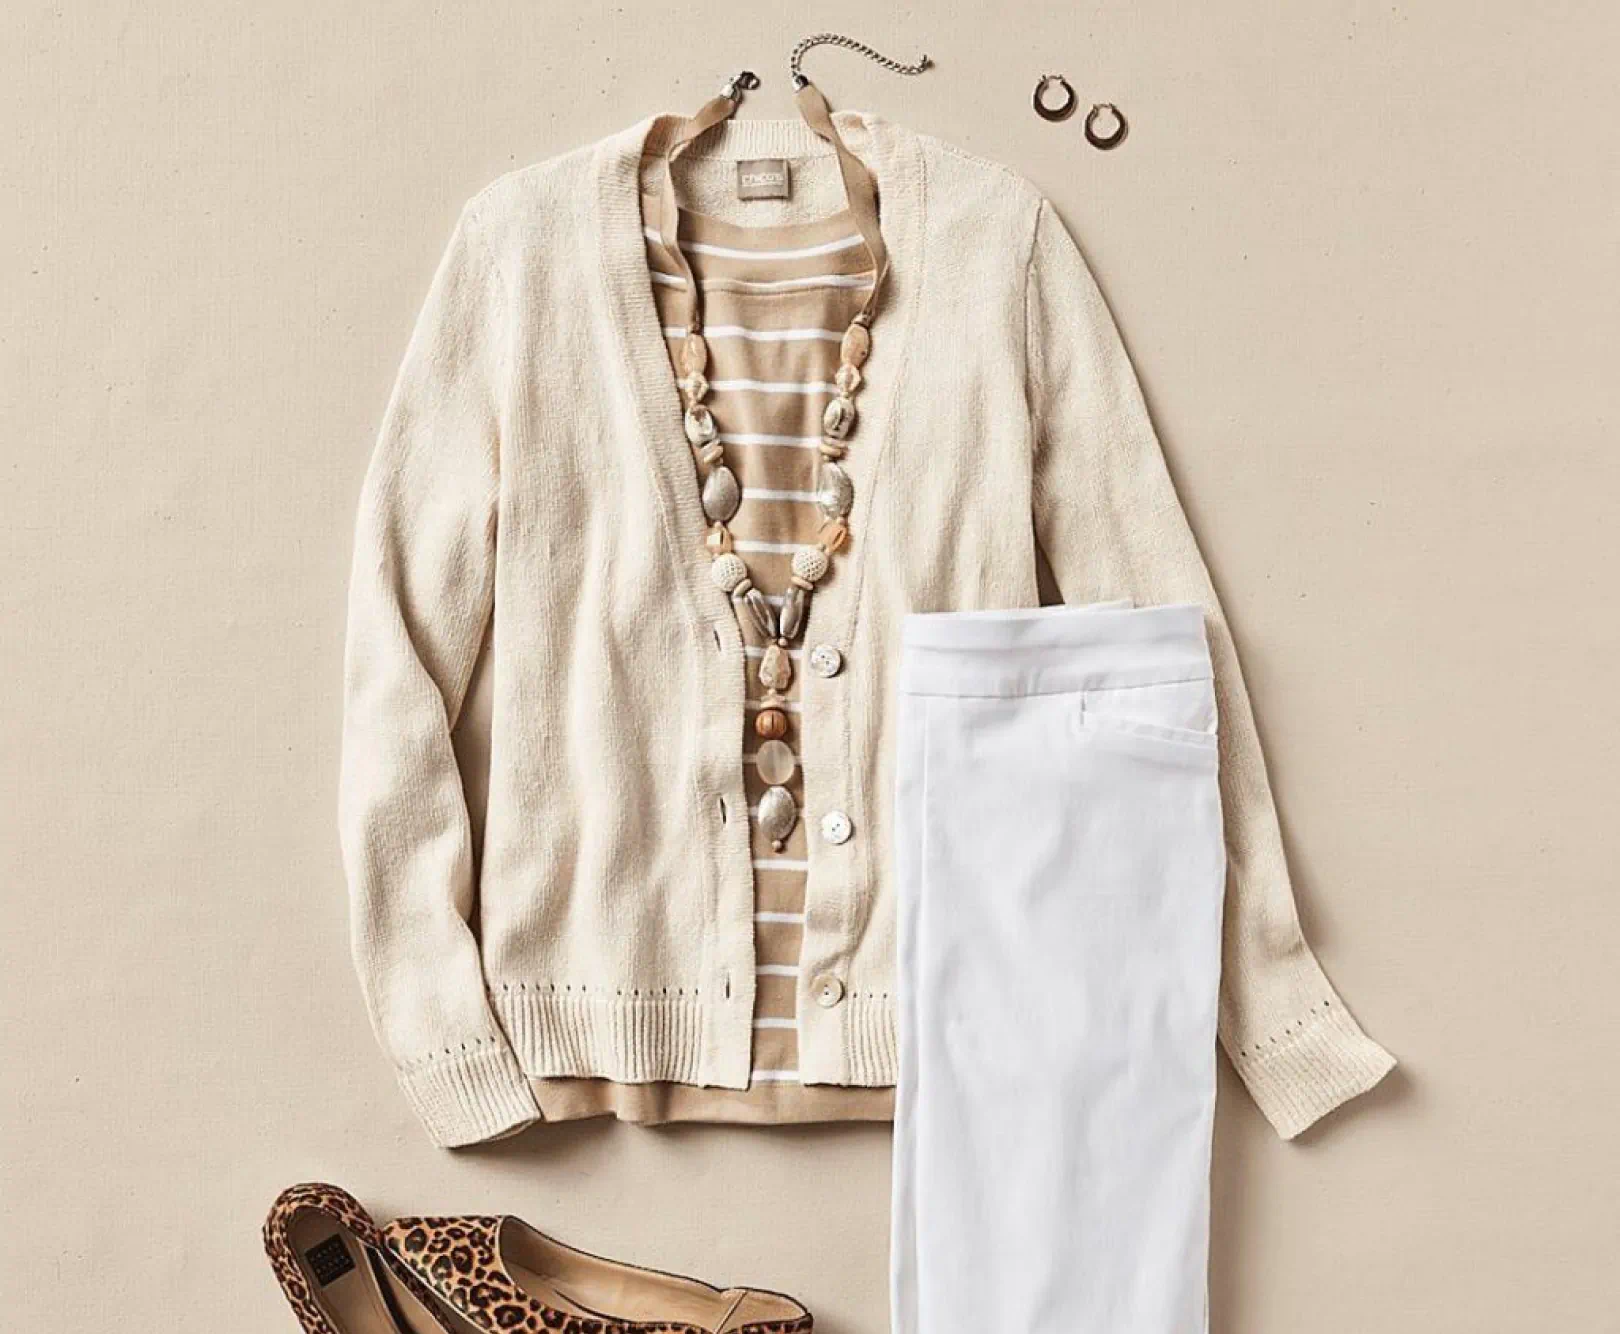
(469, 1095)
(1300, 1075)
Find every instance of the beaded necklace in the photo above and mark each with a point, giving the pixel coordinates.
(721, 493)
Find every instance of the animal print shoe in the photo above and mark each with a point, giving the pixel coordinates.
(338, 1276)
(503, 1276)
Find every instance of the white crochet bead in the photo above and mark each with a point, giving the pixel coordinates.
(728, 571)
(810, 563)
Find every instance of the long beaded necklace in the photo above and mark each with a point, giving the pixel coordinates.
(721, 493)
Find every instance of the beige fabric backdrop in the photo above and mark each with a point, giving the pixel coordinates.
(1366, 258)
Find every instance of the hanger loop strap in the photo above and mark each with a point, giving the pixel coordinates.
(710, 114)
(860, 190)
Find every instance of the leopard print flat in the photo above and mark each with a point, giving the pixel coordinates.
(504, 1277)
(337, 1274)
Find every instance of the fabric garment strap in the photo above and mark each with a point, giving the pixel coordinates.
(860, 191)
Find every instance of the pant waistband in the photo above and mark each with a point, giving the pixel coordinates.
(1051, 650)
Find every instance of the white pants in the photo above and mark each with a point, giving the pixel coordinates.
(1060, 867)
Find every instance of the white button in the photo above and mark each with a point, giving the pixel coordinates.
(825, 660)
(828, 990)
(836, 828)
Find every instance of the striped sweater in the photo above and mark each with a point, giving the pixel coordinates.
(776, 302)
(532, 487)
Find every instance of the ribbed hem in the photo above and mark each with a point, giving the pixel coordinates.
(850, 1045)
(1301, 1075)
(473, 1094)
(871, 1050)
(626, 1039)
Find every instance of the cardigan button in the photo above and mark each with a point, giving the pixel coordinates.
(836, 828)
(828, 990)
(825, 660)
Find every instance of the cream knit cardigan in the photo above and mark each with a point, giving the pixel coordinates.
(532, 483)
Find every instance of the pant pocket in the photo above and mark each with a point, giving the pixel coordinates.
(1180, 711)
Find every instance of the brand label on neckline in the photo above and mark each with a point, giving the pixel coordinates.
(763, 178)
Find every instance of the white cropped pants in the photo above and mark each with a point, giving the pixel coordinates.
(1060, 867)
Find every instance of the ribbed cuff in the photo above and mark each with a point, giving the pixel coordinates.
(1302, 1074)
(470, 1095)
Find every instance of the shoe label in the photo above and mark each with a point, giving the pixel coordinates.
(763, 178)
(329, 1260)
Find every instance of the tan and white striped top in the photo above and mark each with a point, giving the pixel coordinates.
(776, 302)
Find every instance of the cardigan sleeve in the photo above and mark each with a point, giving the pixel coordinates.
(1107, 518)
(420, 600)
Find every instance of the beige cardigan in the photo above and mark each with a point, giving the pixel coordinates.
(532, 481)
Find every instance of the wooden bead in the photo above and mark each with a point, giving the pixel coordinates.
(719, 540)
(695, 354)
(771, 724)
(833, 536)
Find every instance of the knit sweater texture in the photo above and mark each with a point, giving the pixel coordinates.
(532, 486)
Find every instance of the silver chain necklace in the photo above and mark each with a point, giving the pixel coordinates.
(849, 44)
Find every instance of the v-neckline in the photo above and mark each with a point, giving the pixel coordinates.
(890, 154)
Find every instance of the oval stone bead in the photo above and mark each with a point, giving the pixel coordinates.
(856, 345)
(763, 614)
(776, 669)
(721, 494)
(835, 492)
(848, 378)
(700, 427)
(795, 607)
(839, 417)
(775, 762)
(777, 814)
